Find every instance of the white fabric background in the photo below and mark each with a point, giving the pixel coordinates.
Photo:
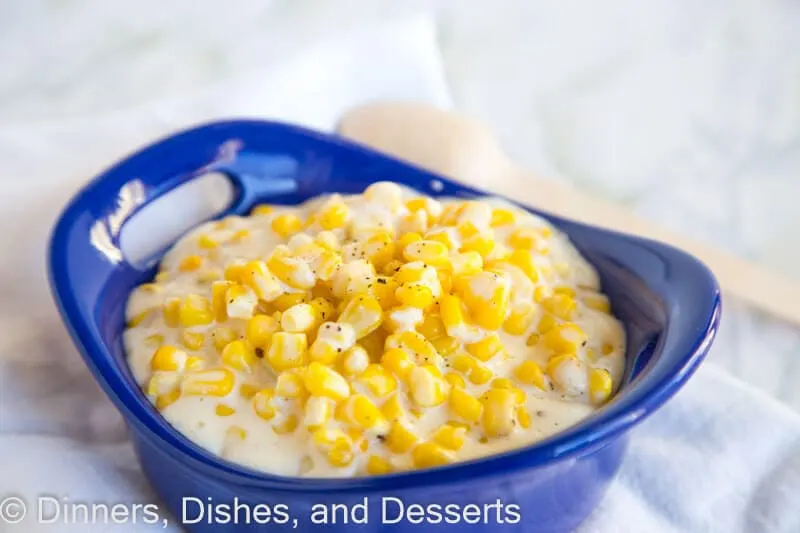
(720, 457)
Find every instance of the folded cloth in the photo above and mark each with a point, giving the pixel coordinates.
(720, 457)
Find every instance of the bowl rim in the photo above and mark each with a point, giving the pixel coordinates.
(595, 431)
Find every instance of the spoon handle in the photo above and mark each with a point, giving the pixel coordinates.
(456, 146)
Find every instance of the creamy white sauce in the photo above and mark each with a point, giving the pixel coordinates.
(293, 454)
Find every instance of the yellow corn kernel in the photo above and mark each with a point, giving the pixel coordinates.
(340, 456)
(597, 301)
(519, 320)
(430, 455)
(259, 330)
(294, 272)
(286, 426)
(165, 400)
(328, 240)
(209, 275)
(415, 344)
(453, 314)
(445, 280)
(264, 283)
(323, 309)
(414, 295)
(212, 382)
(248, 390)
(532, 340)
(156, 339)
(168, 358)
(319, 410)
(285, 301)
(326, 265)
(324, 351)
(383, 290)
(400, 438)
(466, 264)
(379, 248)
(240, 235)
(362, 412)
(445, 345)
(262, 209)
(355, 361)
(529, 373)
(450, 437)
(463, 363)
(290, 385)
(432, 327)
(523, 259)
(546, 323)
(392, 267)
(607, 348)
(321, 380)
(480, 243)
(377, 466)
(161, 383)
(443, 236)
(380, 381)
(172, 310)
(334, 215)
(161, 277)
(556, 361)
(600, 385)
(523, 417)
(190, 263)
(393, 409)
(224, 410)
(298, 318)
(287, 350)
(192, 341)
(562, 269)
(480, 374)
(221, 336)
(455, 380)
(262, 404)
(427, 386)
(194, 362)
(560, 305)
(206, 242)
(502, 383)
(398, 361)
(429, 252)
(528, 239)
(487, 296)
(450, 213)
(467, 229)
(240, 301)
(364, 313)
(486, 348)
(239, 355)
(219, 302)
(233, 272)
(502, 217)
(138, 319)
(564, 338)
(499, 410)
(541, 293)
(401, 318)
(406, 240)
(286, 224)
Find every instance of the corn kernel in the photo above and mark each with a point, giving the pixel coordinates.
(262, 404)
(430, 455)
(194, 362)
(240, 301)
(487, 296)
(453, 314)
(328, 240)
(219, 302)
(165, 400)
(546, 323)
(487, 348)
(334, 215)
(285, 301)
(528, 239)
(332, 340)
(162, 382)
(393, 409)
(321, 380)
(445, 345)
(529, 373)
(502, 383)
(523, 417)
(259, 330)
(364, 313)
(480, 243)
(502, 217)
(355, 361)
(192, 341)
(290, 385)
(287, 350)
(607, 348)
(155, 339)
(287, 425)
(455, 380)
(380, 381)
(361, 412)
(523, 259)
(168, 358)
(450, 437)
(377, 466)
(499, 410)
(233, 272)
(400, 438)
(532, 340)
(597, 301)
(294, 272)
(600, 385)
(264, 283)
(560, 305)
(402, 318)
(323, 308)
(248, 390)
(429, 252)
(206, 242)
(262, 209)
(286, 224)
(432, 327)
(564, 338)
(427, 386)
(190, 263)
(480, 374)
(213, 382)
(398, 361)
(298, 318)
(319, 411)
(224, 410)
(379, 248)
(519, 320)
(416, 345)
(414, 295)
(406, 240)
(171, 310)
(239, 355)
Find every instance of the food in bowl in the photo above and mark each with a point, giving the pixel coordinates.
(372, 333)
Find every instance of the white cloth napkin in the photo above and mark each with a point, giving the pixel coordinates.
(720, 457)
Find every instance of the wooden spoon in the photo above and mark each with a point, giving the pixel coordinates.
(458, 147)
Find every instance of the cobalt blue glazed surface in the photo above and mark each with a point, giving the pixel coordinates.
(668, 301)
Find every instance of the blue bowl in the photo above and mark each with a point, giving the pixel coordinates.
(668, 301)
